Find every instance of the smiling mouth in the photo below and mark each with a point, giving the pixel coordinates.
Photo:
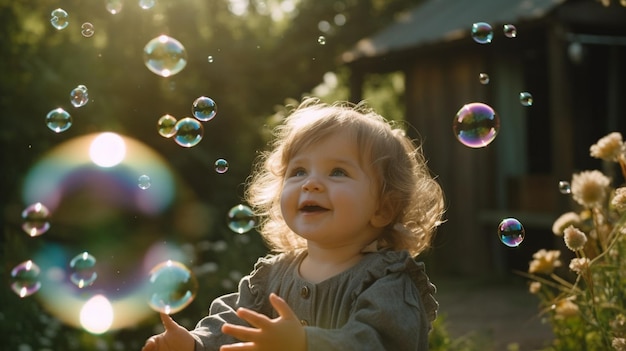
(312, 208)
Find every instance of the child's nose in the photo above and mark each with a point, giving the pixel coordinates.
(312, 183)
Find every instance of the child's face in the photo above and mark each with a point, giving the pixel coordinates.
(328, 198)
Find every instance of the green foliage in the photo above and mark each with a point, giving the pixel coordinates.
(439, 339)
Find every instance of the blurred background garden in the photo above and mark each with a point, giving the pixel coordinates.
(552, 70)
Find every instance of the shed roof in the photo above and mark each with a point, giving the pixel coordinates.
(444, 20)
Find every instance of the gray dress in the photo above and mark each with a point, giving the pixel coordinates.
(384, 302)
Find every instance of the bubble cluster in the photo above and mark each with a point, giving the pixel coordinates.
(36, 219)
(476, 125)
(83, 271)
(25, 278)
(221, 166)
(166, 126)
(87, 30)
(482, 32)
(144, 182)
(565, 187)
(525, 98)
(172, 287)
(241, 219)
(189, 132)
(483, 78)
(165, 56)
(509, 31)
(59, 19)
(204, 108)
(58, 120)
(79, 96)
(511, 232)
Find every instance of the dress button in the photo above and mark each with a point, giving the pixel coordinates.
(305, 292)
(304, 322)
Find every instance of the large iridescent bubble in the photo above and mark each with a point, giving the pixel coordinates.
(165, 56)
(476, 125)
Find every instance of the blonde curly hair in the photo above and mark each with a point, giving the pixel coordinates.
(406, 185)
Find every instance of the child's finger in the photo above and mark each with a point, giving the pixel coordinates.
(282, 307)
(255, 319)
(240, 332)
(168, 322)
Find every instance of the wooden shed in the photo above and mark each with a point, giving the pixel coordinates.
(570, 55)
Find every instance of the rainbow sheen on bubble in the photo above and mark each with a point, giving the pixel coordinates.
(526, 98)
(59, 19)
(476, 125)
(144, 182)
(241, 219)
(221, 166)
(166, 126)
(79, 96)
(165, 56)
(204, 108)
(189, 132)
(58, 120)
(509, 31)
(36, 219)
(482, 32)
(565, 187)
(172, 287)
(511, 232)
(25, 278)
(83, 272)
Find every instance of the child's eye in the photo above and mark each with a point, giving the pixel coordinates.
(297, 172)
(338, 172)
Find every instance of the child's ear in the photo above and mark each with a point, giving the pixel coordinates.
(383, 216)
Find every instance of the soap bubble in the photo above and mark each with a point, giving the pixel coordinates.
(83, 270)
(565, 187)
(482, 32)
(79, 96)
(525, 98)
(241, 219)
(143, 182)
(321, 40)
(165, 56)
(509, 31)
(483, 78)
(476, 125)
(204, 108)
(58, 120)
(36, 219)
(59, 19)
(114, 6)
(25, 278)
(511, 232)
(189, 132)
(172, 287)
(221, 166)
(146, 4)
(87, 30)
(167, 126)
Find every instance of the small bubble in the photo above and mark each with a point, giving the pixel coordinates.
(79, 96)
(241, 219)
(221, 166)
(210, 59)
(483, 78)
(165, 56)
(511, 232)
(25, 278)
(83, 270)
(59, 19)
(482, 32)
(204, 108)
(167, 126)
(87, 30)
(114, 6)
(147, 4)
(172, 287)
(565, 187)
(509, 31)
(36, 219)
(525, 98)
(321, 40)
(476, 125)
(58, 120)
(189, 132)
(143, 182)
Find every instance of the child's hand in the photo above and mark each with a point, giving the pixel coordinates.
(282, 333)
(174, 338)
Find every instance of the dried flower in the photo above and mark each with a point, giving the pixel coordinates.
(544, 261)
(565, 220)
(578, 265)
(574, 238)
(566, 309)
(619, 199)
(619, 344)
(534, 287)
(608, 148)
(589, 188)
(618, 325)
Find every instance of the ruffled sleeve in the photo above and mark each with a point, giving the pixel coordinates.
(208, 332)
